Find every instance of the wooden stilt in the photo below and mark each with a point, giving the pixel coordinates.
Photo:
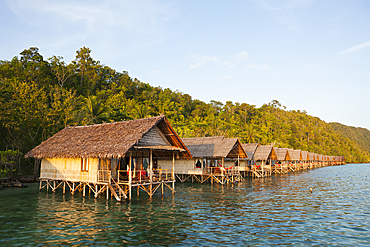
(173, 173)
(107, 192)
(130, 178)
(151, 172)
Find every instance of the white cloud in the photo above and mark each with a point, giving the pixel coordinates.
(356, 48)
(256, 66)
(242, 55)
(199, 61)
(286, 12)
(128, 25)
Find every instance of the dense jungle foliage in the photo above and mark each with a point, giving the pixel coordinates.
(39, 97)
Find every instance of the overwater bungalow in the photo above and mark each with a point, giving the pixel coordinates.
(282, 161)
(247, 167)
(111, 158)
(263, 158)
(295, 157)
(305, 160)
(215, 159)
(320, 160)
(311, 160)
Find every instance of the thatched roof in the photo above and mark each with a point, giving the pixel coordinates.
(311, 156)
(316, 156)
(320, 157)
(305, 155)
(265, 152)
(110, 140)
(296, 155)
(282, 154)
(215, 147)
(250, 149)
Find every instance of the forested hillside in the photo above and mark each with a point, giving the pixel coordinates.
(357, 134)
(39, 96)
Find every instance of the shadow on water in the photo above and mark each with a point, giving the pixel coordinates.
(279, 210)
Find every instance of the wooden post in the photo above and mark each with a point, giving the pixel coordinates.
(151, 172)
(107, 186)
(84, 191)
(129, 178)
(64, 187)
(173, 172)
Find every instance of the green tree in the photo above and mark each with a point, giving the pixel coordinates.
(95, 110)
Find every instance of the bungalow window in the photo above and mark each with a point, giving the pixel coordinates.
(84, 164)
(198, 164)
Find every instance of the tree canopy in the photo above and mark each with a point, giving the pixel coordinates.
(39, 97)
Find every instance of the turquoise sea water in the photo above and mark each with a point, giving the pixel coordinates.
(279, 210)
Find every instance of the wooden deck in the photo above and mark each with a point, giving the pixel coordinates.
(117, 183)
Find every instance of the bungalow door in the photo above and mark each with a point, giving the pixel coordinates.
(104, 170)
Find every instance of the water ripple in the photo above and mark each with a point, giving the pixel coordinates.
(278, 210)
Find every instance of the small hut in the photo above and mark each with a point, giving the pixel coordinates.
(283, 158)
(304, 160)
(296, 157)
(246, 167)
(263, 158)
(311, 160)
(215, 159)
(319, 160)
(110, 157)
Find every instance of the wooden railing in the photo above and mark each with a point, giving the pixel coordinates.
(234, 170)
(143, 176)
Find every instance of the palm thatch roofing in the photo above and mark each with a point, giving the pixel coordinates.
(282, 154)
(215, 147)
(111, 140)
(305, 155)
(311, 156)
(265, 152)
(320, 157)
(250, 149)
(296, 155)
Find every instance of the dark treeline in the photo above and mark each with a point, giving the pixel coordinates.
(39, 97)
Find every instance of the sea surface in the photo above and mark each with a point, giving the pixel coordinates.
(279, 210)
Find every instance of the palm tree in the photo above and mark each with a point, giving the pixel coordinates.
(141, 111)
(95, 109)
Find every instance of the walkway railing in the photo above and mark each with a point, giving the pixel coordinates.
(234, 170)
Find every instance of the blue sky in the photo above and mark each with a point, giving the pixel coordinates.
(308, 54)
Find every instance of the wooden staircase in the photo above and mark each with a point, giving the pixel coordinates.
(117, 191)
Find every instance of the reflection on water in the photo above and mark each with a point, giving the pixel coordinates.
(259, 212)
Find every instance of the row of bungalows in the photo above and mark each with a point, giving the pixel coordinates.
(264, 160)
(118, 159)
(215, 159)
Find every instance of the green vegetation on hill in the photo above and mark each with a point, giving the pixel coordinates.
(39, 97)
(356, 134)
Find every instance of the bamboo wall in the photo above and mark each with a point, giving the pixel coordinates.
(68, 169)
(182, 166)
